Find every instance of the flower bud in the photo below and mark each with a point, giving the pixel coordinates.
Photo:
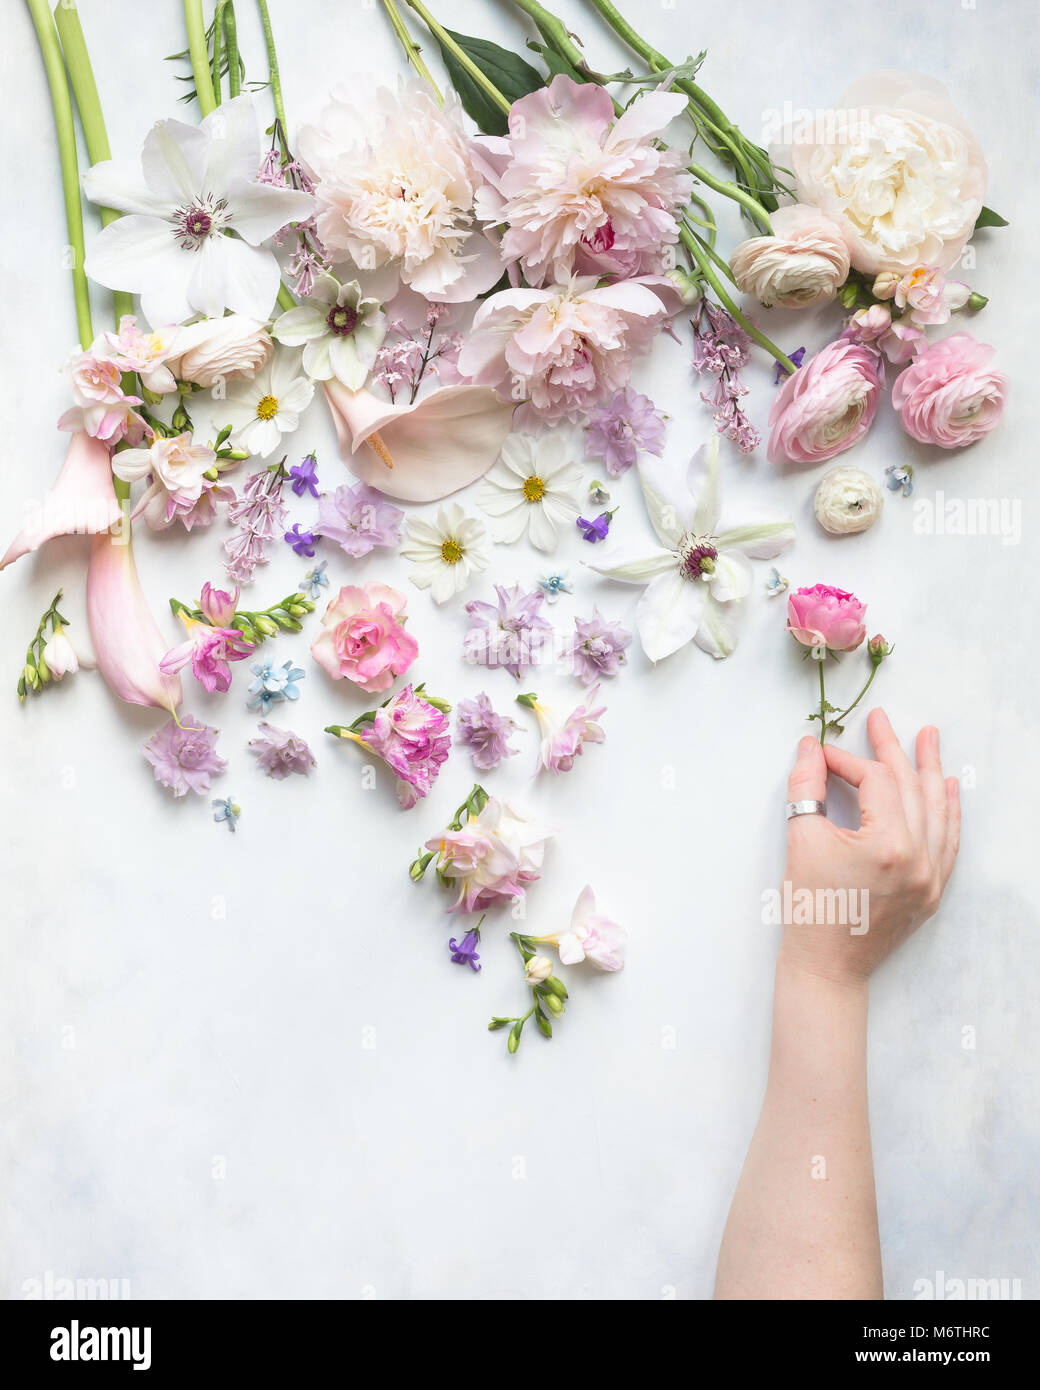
(553, 1003)
(689, 288)
(885, 284)
(878, 649)
(538, 969)
(266, 625)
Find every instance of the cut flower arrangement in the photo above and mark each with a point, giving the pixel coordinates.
(464, 276)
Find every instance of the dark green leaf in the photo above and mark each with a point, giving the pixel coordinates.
(988, 218)
(509, 73)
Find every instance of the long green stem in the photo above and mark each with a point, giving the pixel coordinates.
(218, 47)
(463, 59)
(411, 49)
(555, 33)
(823, 701)
(873, 672)
(274, 75)
(50, 50)
(234, 75)
(704, 267)
(729, 189)
(198, 51)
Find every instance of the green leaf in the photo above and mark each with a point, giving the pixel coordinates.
(509, 73)
(556, 63)
(988, 218)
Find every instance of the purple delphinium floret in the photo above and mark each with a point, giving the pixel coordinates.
(483, 732)
(184, 758)
(358, 519)
(621, 427)
(597, 648)
(280, 752)
(510, 633)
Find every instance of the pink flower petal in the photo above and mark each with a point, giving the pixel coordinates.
(82, 500)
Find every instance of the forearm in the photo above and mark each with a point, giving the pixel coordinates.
(803, 1224)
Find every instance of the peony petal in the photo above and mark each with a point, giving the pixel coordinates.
(127, 643)
(82, 500)
(645, 117)
(669, 613)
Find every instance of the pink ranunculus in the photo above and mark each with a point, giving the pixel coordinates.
(950, 395)
(828, 405)
(362, 637)
(824, 616)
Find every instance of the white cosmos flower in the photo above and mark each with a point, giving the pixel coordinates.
(342, 331)
(194, 186)
(260, 411)
(533, 487)
(696, 580)
(447, 554)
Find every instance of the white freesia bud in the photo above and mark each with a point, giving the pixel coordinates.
(803, 262)
(223, 349)
(847, 500)
(689, 289)
(539, 968)
(59, 655)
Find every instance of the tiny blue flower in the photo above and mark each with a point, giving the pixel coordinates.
(274, 684)
(776, 583)
(315, 580)
(900, 476)
(226, 810)
(553, 585)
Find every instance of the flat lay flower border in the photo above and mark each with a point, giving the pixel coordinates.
(464, 279)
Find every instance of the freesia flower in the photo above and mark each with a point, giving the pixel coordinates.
(197, 218)
(823, 616)
(578, 190)
(697, 577)
(359, 519)
(950, 395)
(590, 936)
(492, 857)
(280, 752)
(59, 655)
(484, 732)
(260, 410)
(421, 452)
(446, 554)
(81, 501)
(184, 755)
(363, 637)
(147, 354)
(395, 185)
(621, 427)
(411, 736)
(510, 633)
(828, 405)
(597, 648)
(214, 351)
(805, 260)
(563, 740)
(533, 488)
(537, 970)
(928, 296)
(176, 467)
(127, 643)
(565, 348)
(339, 329)
(218, 606)
(209, 649)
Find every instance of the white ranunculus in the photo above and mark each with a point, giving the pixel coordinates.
(897, 169)
(227, 349)
(847, 500)
(804, 262)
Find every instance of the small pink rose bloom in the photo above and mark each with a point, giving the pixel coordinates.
(209, 649)
(929, 296)
(362, 637)
(590, 936)
(564, 741)
(828, 405)
(950, 395)
(826, 617)
(100, 408)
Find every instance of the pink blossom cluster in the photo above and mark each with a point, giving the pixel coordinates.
(411, 736)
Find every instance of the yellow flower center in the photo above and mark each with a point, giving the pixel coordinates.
(534, 488)
(267, 407)
(451, 552)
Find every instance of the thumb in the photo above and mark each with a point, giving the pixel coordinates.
(807, 780)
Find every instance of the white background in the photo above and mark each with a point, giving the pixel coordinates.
(153, 1046)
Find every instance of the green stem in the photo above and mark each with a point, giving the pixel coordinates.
(823, 702)
(274, 76)
(411, 49)
(731, 190)
(463, 59)
(873, 672)
(218, 47)
(199, 54)
(50, 50)
(555, 33)
(234, 74)
(704, 266)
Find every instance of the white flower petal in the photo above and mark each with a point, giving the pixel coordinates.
(669, 613)
(541, 530)
(119, 184)
(173, 161)
(344, 362)
(761, 540)
(717, 633)
(511, 526)
(250, 278)
(702, 481)
(732, 577)
(300, 325)
(257, 210)
(497, 502)
(633, 564)
(668, 503)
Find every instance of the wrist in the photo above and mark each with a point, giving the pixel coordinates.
(820, 972)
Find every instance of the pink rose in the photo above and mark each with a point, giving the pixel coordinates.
(828, 405)
(950, 395)
(826, 617)
(363, 639)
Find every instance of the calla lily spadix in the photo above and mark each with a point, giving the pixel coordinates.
(127, 642)
(696, 579)
(82, 500)
(420, 452)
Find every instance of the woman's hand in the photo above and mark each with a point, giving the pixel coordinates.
(893, 869)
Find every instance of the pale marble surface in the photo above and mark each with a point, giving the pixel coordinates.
(191, 1096)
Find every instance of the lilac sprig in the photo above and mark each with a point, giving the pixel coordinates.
(309, 258)
(402, 364)
(720, 349)
(260, 516)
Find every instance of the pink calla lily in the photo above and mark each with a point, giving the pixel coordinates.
(420, 452)
(81, 502)
(127, 642)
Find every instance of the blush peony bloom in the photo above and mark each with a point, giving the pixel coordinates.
(950, 395)
(828, 405)
(565, 348)
(804, 262)
(395, 183)
(580, 192)
(363, 639)
(897, 170)
(826, 617)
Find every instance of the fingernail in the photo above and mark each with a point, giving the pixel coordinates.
(806, 746)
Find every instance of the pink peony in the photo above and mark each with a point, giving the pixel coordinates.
(950, 395)
(580, 192)
(565, 348)
(362, 637)
(828, 405)
(826, 617)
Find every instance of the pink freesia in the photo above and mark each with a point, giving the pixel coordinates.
(411, 736)
(580, 191)
(929, 296)
(567, 347)
(209, 649)
(128, 644)
(82, 500)
(826, 617)
(590, 936)
(492, 857)
(363, 637)
(421, 452)
(827, 405)
(950, 395)
(898, 339)
(563, 741)
(218, 606)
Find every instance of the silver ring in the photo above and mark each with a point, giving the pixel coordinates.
(806, 808)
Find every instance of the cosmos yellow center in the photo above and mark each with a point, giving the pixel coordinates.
(533, 489)
(451, 552)
(267, 407)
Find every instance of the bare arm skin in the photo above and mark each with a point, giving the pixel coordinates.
(803, 1224)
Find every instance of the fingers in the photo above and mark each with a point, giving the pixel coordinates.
(933, 788)
(807, 781)
(880, 801)
(890, 754)
(953, 826)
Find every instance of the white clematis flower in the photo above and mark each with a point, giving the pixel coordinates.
(696, 580)
(195, 185)
(260, 411)
(533, 487)
(342, 331)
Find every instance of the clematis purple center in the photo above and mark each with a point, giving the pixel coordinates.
(198, 220)
(342, 320)
(697, 558)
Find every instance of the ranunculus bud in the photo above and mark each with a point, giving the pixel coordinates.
(803, 262)
(223, 349)
(824, 616)
(884, 286)
(878, 649)
(538, 970)
(847, 500)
